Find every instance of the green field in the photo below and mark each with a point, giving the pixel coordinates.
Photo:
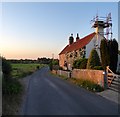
(21, 70)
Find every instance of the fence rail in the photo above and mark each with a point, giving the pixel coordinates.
(110, 75)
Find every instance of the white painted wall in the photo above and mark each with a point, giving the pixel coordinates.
(95, 41)
(89, 47)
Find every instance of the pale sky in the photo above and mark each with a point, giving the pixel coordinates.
(39, 29)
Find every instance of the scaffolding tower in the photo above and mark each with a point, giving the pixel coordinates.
(105, 23)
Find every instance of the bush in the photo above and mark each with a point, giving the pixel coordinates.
(55, 67)
(93, 60)
(60, 68)
(98, 68)
(83, 63)
(75, 64)
(54, 64)
(51, 66)
(6, 68)
(11, 87)
(80, 63)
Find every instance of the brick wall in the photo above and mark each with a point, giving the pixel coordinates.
(63, 73)
(92, 75)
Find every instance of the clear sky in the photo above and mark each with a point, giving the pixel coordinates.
(36, 29)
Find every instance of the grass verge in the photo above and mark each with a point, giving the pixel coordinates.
(87, 84)
(11, 97)
(13, 89)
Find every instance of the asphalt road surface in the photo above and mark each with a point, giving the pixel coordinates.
(50, 95)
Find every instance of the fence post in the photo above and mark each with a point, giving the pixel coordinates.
(68, 74)
(105, 78)
(60, 72)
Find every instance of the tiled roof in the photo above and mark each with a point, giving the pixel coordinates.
(79, 44)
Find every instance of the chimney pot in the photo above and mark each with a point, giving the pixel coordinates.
(77, 38)
(71, 39)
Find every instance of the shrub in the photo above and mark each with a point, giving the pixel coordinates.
(98, 68)
(83, 63)
(11, 87)
(54, 63)
(93, 60)
(76, 63)
(6, 68)
(80, 63)
(50, 66)
(60, 68)
(55, 67)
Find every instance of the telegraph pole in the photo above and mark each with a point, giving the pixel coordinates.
(53, 56)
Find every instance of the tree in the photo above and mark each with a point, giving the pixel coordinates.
(104, 52)
(6, 68)
(109, 54)
(113, 55)
(119, 52)
(54, 64)
(93, 60)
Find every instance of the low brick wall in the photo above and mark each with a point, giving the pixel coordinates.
(63, 73)
(92, 75)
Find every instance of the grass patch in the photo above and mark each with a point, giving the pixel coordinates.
(11, 87)
(10, 104)
(63, 77)
(87, 84)
(21, 70)
(11, 96)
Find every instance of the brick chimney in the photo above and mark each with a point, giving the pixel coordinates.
(71, 39)
(77, 38)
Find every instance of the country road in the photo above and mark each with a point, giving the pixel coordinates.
(50, 95)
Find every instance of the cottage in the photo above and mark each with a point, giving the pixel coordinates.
(81, 48)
